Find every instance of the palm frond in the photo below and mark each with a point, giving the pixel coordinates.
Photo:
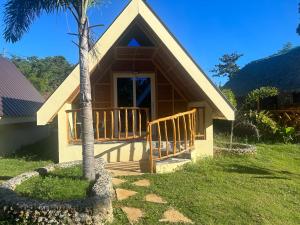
(20, 14)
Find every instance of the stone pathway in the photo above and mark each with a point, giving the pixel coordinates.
(142, 183)
(123, 194)
(134, 215)
(117, 181)
(155, 199)
(173, 216)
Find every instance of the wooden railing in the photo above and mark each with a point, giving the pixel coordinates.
(111, 124)
(171, 136)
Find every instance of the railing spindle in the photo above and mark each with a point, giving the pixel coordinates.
(112, 124)
(150, 147)
(178, 131)
(167, 139)
(140, 123)
(185, 132)
(104, 120)
(133, 122)
(159, 139)
(97, 125)
(174, 136)
(120, 124)
(126, 123)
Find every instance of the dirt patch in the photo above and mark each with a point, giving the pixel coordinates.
(133, 214)
(173, 216)
(123, 194)
(155, 199)
(142, 183)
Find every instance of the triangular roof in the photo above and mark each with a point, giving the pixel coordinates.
(18, 97)
(134, 9)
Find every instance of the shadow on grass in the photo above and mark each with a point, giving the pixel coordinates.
(236, 168)
(269, 174)
(3, 178)
(272, 177)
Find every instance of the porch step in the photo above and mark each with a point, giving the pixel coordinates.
(170, 165)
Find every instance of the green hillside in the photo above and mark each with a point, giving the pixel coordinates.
(281, 71)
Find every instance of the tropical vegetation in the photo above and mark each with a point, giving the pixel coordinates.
(46, 74)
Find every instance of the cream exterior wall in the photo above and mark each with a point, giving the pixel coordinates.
(204, 148)
(14, 136)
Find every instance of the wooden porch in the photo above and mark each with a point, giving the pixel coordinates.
(166, 137)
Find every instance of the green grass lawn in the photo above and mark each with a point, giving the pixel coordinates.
(60, 184)
(11, 167)
(260, 189)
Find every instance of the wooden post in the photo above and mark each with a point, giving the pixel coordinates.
(151, 148)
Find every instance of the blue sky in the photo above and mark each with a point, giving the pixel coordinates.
(207, 29)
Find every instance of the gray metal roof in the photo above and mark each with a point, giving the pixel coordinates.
(18, 97)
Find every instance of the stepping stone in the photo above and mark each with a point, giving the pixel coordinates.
(142, 183)
(155, 199)
(123, 194)
(133, 214)
(173, 216)
(117, 181)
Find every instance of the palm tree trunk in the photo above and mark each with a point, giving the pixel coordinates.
(86, 103)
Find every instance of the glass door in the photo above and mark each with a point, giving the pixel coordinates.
(134, 91)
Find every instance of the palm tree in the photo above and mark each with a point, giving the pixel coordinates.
(19, 15)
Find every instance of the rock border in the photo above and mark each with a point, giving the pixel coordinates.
(95, 209)
(237, 148)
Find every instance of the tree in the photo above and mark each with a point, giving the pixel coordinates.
(285, 48)
(255, 96)
(230, 96)
(46, 74)
(19, 15)
(228, 66)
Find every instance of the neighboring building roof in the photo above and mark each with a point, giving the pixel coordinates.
(281, 71)
(136, 8)
(18, 98)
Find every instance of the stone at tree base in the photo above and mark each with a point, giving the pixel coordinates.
(173, 216)
(155, 199)
(95, 209)
(142, 183)
(133, 214)
(123, 194)
(117, 181)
